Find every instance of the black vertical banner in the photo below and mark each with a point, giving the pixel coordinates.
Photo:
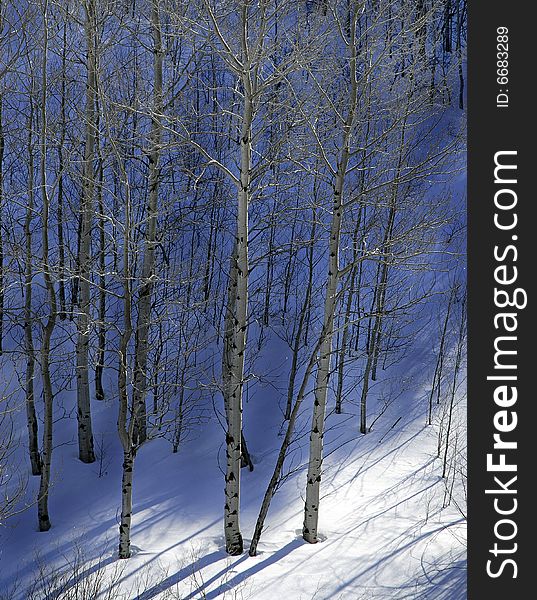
(502, 365)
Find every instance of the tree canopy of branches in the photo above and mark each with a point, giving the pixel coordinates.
(183, 182)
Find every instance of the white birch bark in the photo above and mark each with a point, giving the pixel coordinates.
(148, 267)
(61, 168)
(311, 506)
(238, 298)
(277, 473)
(31, 418)
(48, 396)
(124, 426)
(239, 301)
(101, 336)
(85, 434)
(124, 550)
(131, 424)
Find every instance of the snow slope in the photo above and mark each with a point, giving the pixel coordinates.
(385, 534)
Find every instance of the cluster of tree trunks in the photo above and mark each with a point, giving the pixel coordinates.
(195, 185)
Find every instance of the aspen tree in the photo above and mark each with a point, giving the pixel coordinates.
(125, 425)
(461, 338)
(102, 328)
(276, 477)
(60, 194)
(2, 152)
(311, 507)
(85, 434)
(2, 147)
(131, 417)
(460, 20)
(247, 64)
(148, 267)
(244, 63)
(31, 418)
(437, 377)
(306, 306)
(351, 293)
(48, 329)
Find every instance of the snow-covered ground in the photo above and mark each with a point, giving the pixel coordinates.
(384, 531)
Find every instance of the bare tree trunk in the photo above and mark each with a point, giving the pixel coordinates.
(178, 422)
(61, 244)
(275, 480)
(374, 343)
(382, 285)
(209, 261)
(46, 454)
(101, 336)
(101, 340)
(85, 434)
(132, 431)
(238, 302)
(270, 265)
(126, 504)
(48, 396)
(148, 268)
(458, 46)
(75, 285)
(31, 418)
(227, 352)
(311, 508)
(2, 284)
(234, 420)
(379, 320)
(379, 299)
(448, 16)
(300, 329)
(156, 383)
(456, 370)
(344, 342)
(289, 269)
(440, 360)
(246, 459)
(124, 427)
(311, 505)
(346, 322)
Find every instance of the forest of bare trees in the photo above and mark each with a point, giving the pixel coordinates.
(183, 182)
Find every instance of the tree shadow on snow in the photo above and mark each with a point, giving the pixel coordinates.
(183, 574)
(426, 586)
(226, 584)
(447, 582)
